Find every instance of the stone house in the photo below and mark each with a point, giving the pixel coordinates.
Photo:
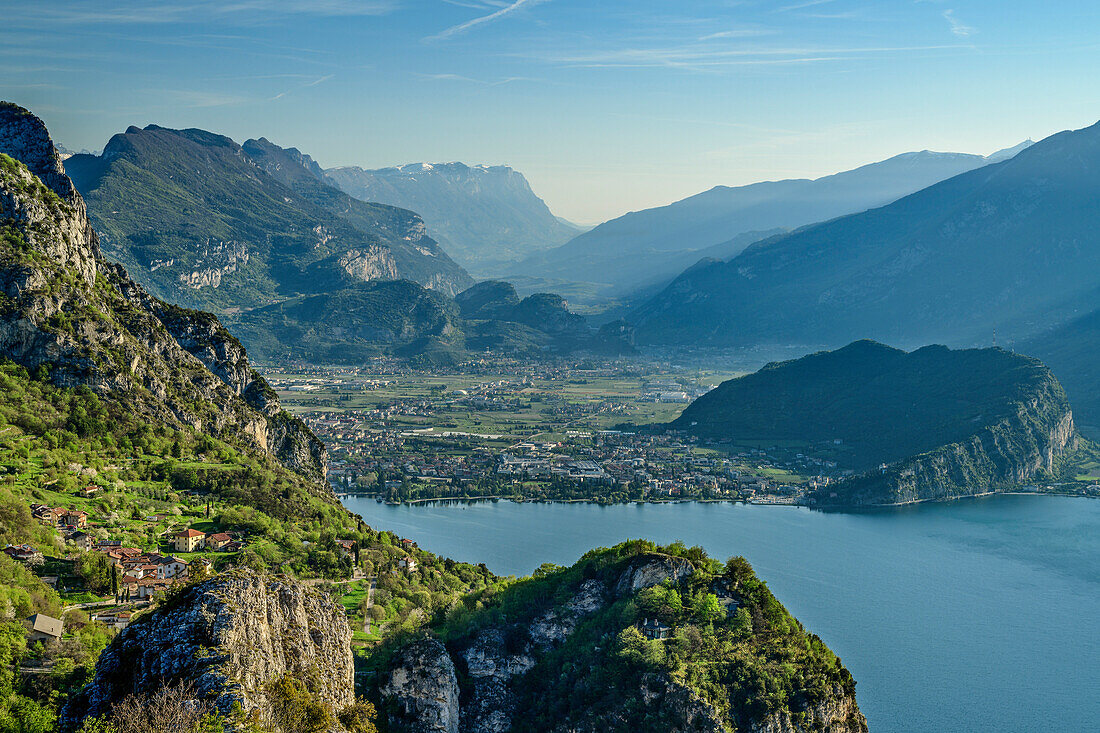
(190, 540)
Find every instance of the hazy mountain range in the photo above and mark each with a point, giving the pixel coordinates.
(649, 247)
(1011, 245)
(203, 221)
(486, 217)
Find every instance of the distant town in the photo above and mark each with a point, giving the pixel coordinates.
(548, 432)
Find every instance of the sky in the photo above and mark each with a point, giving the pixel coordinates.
(606, 106)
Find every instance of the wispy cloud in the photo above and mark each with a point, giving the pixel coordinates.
(705, 57)
(132, 12)
(738, 33)
(960, 29)
(803, 5)
(471, 80)
(311, 83)
(495, 15)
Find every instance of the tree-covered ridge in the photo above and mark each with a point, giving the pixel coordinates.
(884, 404)
(733, 654)
(404, 319)
(54, 441)
(201, 223)
(354, 324)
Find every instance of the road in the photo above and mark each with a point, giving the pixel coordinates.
(98, 604)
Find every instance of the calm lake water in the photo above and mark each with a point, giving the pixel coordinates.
(981, 615)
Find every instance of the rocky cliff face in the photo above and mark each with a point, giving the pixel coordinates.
(483, 216)
(63, 307)
(423, 693)
(229, 638)
(422, 689)
(1019, 449)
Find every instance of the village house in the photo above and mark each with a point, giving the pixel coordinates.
(44, 628)
(74, 518)
(217, 541)
(654, 629)
(115, 619)
(407, 564)
(24, 553)
(47, 514)
(189, 540)
(143, 588)
(81, 539)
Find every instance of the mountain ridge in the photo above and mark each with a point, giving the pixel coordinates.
(223, 231)
(486, 216)
(81, 321)
(1003, 246)
(645, 246)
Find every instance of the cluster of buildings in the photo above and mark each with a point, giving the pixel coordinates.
(142, 574)
(671, 391)
(193, 540)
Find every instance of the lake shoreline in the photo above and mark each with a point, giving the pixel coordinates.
(849, 508)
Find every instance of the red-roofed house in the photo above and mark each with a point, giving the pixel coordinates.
(189, 540)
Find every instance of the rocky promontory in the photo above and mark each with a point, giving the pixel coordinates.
(930, 424)
(568, 652)
(228, 639)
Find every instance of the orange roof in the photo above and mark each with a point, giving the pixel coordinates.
(191, 533)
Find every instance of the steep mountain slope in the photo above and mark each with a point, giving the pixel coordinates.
(69, 314)
(201, 222)
(1072, 351)
(930, 424)
(1010, 245)
(485, 216)
(656, 244)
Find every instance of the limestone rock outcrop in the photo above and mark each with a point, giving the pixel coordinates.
(228, 637)
(423, 689)
(506, 671)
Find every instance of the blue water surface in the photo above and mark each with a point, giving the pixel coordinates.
(981, 615)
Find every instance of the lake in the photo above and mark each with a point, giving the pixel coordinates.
(981, 615)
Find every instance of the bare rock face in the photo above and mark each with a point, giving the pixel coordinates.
(229, 637)
(650, 570)
(89, 324)
(423, 689)
(553, 627)
(499, 656)
(369, 263)
(836, 714)
(491, 667)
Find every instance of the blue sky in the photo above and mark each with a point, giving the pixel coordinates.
(606, 105)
